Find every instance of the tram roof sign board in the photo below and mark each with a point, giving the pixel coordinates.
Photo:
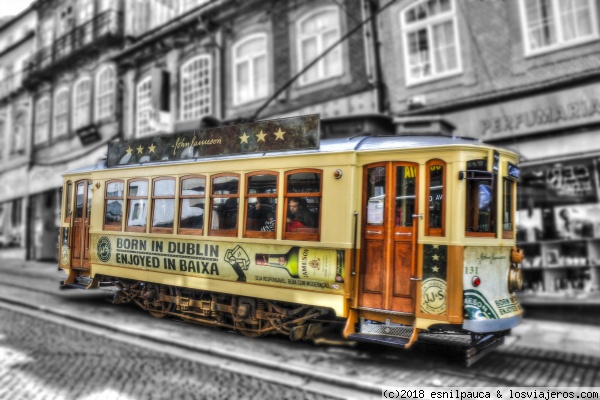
(264, 136)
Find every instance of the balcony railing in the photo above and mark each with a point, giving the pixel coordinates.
(88, 36)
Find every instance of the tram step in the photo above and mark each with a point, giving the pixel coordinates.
(386, 340)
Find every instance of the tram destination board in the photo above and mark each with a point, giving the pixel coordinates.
(284, 134)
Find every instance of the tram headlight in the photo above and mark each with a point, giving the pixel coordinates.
(515, 279)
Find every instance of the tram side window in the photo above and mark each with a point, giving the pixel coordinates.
(405, 195)
(191, 206)
(113, 205)
(435, 215)
(261, 205)
(481, 203)
(68, 201)
(225, 200)
(137, 205)
(302, 204)
(163, 205)
(508, 209)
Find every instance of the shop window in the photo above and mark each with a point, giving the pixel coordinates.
(261, 205)
(508, 208)
(163, 205)
(105, 93)
(144, 125)
(42, 121)
(316, 33)
(61, 113)
(481, 204)
(302, 204)
(82, 97)
(137, 205)
(191, 208)
(431, 46)
(68, 201)
(250, 69)
(196, 84)
(113, 205)
(436, 211)
(551, 24)
(225, 200)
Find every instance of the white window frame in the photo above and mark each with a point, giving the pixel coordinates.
(428, 24)
(320, 65)
(561, 43)
(196, 92)
(105, 92)
(144, 110)
(254, 90)
(60, 111)
(82, 109)
(39, 136)
(18, 143)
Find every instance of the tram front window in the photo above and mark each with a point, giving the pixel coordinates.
(481, 203)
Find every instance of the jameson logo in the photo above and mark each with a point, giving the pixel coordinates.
(104, 249)
(477, 307)
(182, 143)
(434, 296)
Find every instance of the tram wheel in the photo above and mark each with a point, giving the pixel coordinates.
(160, 309)
(246, 329)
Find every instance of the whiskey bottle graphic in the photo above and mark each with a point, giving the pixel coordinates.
(323, 265)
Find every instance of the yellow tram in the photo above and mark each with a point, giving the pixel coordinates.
(264, 228)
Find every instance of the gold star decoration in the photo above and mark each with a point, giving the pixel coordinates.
(435, 246)
(435, 269)
(152, 147)
(129, 150)
(244, 138)
(261, 136)
(279, 134)
(435, 257)
(140, 149)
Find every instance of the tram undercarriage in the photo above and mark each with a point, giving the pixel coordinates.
(249, 316)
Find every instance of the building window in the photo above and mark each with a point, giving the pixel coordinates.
(480, 202)
(2, 138)
(113, 205)
(163, 205)
(316, 33)
(552, 23)
(42, 121)
(61, 113)
(225, 200)
(250, 69)
(303, 204)
(105, 93)
(82, 98)
(261, 205)
(46, 33)
(137, 205)
(17, 146)
(196, 82)
(191, 207)
(144, 108)
(431, 48)
(435, 186)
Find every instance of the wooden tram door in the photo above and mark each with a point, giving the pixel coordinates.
(80, 249)
(390, 201)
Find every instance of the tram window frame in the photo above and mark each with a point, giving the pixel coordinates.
(182, 197)
(441, 230)
(113, 227)
(307, 234)
(68, 201)
(475, 176)
(230, 232)
(509, 233)
(160, 229)
(260, 234)
(134, 228)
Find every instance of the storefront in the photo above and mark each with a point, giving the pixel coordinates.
(13, 206)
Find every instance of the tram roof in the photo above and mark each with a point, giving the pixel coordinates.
(337, 145)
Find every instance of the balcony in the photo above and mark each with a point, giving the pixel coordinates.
(104, 29)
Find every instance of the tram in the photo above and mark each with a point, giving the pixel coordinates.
(266, 228)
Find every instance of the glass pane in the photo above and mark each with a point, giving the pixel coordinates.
(304, 182)
(376, 195)
(164, 210)
(164, 187)
(262, 184)
(138, 209)
(436, 201)
(138, 188)
(507, 206)
(262, 214)
(79, 202)
(68, 200)
(89, 198)
(303, 214)
(405, 195)
(484, 203)
(114, 189)
(193, 187)
(225, 185)
(113, 212)
(192, 214)
(224, 213)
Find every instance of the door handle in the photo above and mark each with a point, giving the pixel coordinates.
(420, 216)
(415, 279)
(376, 232)
(403, 233)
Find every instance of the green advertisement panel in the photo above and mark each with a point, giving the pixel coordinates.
(273, 265)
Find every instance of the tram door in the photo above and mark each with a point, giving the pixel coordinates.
(81, 225)
(389, 239)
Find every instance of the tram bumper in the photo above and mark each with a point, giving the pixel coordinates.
(492, 325)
